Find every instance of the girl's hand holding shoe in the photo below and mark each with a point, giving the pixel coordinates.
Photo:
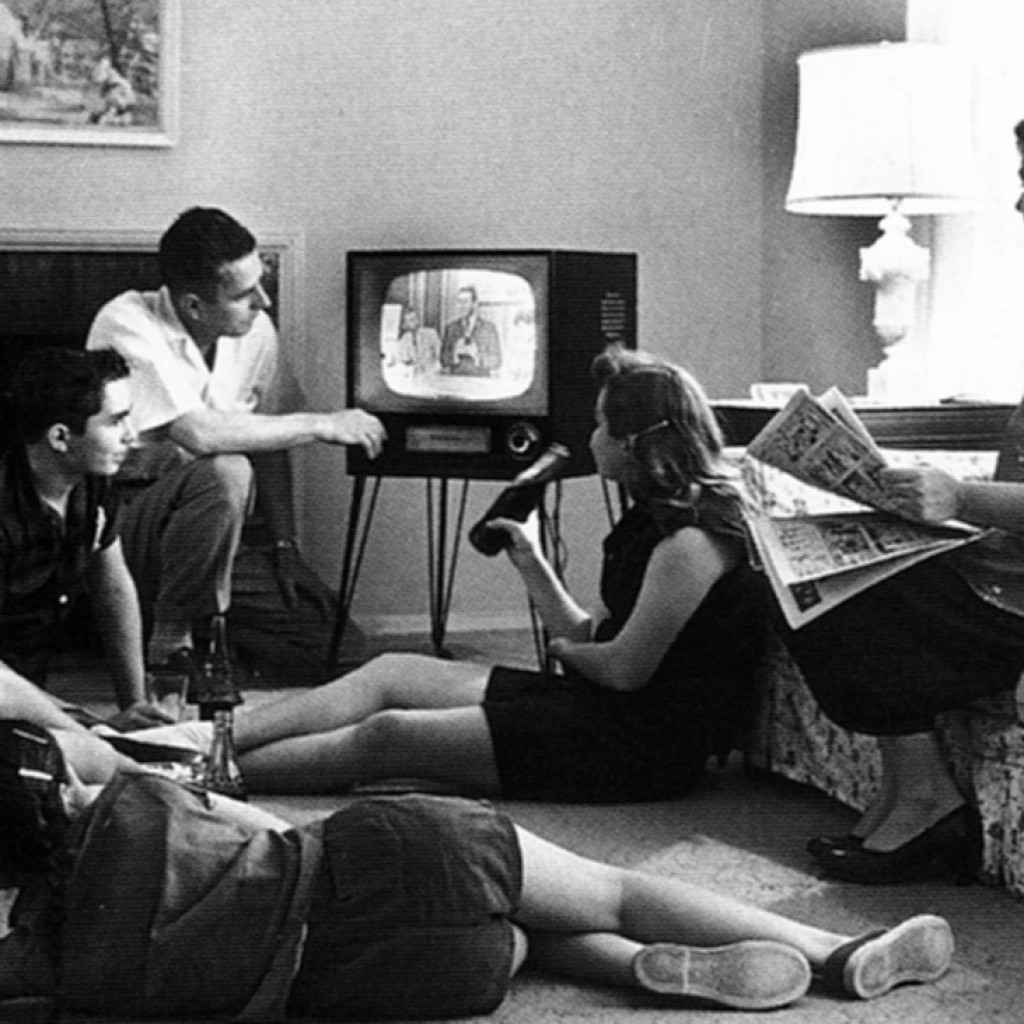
(524, 537)
(559, 647)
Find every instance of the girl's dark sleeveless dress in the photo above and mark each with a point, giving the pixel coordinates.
(564, 738)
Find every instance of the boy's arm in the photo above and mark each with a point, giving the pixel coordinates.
(93, 759)
(116, 604)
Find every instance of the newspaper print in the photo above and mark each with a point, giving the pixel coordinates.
(803, 600)
(815, 562)
(810, 547)
(813, 444)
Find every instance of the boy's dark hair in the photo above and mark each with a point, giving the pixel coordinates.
(60, 385)
(194, 249)
(33, 820)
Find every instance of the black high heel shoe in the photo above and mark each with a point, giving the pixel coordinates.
(822, 846)
(952, 844)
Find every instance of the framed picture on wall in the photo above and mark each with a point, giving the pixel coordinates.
(89, 72)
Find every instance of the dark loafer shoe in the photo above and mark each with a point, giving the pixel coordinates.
(918, 950)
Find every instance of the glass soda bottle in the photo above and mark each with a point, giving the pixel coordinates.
(222, 774)
(217, 689)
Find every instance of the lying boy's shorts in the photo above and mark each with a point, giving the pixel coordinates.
(410, 911)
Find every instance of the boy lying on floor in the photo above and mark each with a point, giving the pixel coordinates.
(140, 896)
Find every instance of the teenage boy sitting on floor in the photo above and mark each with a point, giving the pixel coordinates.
(68, 415)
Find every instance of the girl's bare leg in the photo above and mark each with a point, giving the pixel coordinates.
(451, 746)
(405, 681)
(882, 803)
(922, 788)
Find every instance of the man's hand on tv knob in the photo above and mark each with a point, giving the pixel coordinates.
(354, 426)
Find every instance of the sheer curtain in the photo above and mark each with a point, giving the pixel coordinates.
(972, 341)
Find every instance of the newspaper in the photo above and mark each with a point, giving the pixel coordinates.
(815, 562)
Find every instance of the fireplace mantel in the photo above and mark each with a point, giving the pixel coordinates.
(52, 282)
(965, 426)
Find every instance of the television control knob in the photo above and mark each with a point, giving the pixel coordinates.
(523, 441)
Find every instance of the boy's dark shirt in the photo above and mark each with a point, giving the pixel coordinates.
(43, 560)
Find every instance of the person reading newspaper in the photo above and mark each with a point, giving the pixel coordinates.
(815, 562)
(923, 641)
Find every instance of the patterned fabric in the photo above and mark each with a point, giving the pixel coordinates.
(984, 742)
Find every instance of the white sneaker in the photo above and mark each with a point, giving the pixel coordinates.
(756, 974)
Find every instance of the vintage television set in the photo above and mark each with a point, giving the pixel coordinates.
(482, 403)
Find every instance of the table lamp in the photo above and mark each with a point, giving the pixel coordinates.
(884, 130)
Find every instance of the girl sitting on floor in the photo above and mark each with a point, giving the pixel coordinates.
(653, 687)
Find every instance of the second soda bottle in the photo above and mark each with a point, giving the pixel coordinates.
(217, 690)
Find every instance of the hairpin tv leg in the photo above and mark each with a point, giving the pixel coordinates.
(442, 556)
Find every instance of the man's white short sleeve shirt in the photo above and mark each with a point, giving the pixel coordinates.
(169, 376)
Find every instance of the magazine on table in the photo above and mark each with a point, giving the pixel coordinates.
(815, 562)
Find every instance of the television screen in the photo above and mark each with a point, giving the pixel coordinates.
(456, 338)
(476, 360)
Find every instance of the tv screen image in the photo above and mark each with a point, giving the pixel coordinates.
(459, 337)
(476, 360)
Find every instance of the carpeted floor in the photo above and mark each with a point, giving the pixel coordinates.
(743, 834)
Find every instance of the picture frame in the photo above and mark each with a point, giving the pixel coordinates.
(89, 72)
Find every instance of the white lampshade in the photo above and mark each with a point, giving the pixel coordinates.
(879, 124)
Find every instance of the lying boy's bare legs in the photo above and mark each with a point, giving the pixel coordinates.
(598, 922)
(563, 892)
(389, 681)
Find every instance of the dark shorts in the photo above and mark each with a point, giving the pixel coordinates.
(410, 913)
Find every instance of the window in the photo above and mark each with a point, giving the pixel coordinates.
(972, 332)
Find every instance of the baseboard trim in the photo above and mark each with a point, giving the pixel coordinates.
(407, 625)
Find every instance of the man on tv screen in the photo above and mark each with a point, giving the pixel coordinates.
(471, 346)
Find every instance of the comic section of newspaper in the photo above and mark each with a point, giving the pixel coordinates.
(815, 562)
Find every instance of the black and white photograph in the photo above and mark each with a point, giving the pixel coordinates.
(511, 511)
